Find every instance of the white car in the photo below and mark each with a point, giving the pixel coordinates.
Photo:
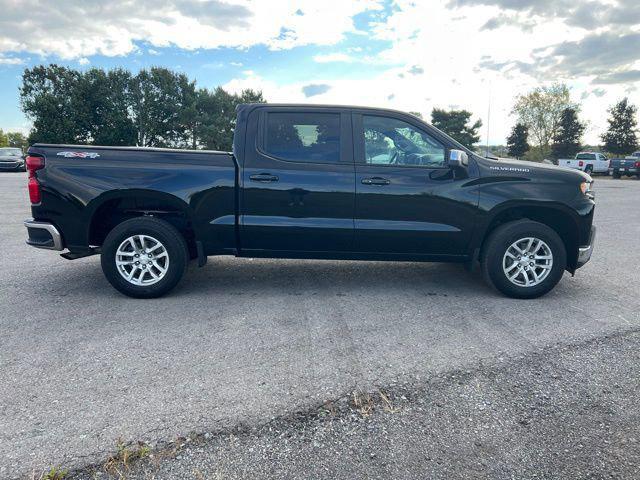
(588, 162)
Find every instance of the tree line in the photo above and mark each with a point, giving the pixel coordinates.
(156, 107)
(13, 139)
(549, 117)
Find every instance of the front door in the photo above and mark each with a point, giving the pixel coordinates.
(408, 201)
(298, 184)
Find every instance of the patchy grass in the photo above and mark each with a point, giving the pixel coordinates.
(119, 463)
(54, 473)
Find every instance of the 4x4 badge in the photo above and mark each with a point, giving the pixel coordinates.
(78, 154)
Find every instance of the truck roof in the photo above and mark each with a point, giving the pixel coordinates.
(325, 105)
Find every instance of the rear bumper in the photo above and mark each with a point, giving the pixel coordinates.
(584, 252)
(624, 171)
(43, 235)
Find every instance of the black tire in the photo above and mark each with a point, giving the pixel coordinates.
(502, 238)
(170, 238)
(616, 174)
(589, 169)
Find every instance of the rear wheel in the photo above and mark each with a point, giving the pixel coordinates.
(589, 169)
(144, 257)
(524, 259)
(616, 174)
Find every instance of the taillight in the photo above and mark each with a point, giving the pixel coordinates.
(638, 164)
(34, 191)
(34, 164)
(580, 163)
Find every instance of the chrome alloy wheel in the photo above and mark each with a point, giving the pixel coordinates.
(527, 262)
(142, 260)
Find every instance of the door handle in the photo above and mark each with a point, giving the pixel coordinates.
(263, 177)
(375, 181)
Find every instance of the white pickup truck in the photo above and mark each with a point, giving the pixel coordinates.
(588, 162)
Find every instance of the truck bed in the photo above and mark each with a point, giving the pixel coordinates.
(196, 184)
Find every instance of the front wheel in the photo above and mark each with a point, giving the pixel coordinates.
(144, 257)
(524, 259)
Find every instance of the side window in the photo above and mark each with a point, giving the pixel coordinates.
(388, 141)
(303, 137)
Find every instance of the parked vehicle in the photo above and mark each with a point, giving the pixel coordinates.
(324, 182)
(11, 159)
(625, 166)
(588, 162)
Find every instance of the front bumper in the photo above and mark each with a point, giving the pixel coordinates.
(584, 252)
(43, 235)
(11, 165)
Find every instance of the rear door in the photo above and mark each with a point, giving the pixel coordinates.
(407, 200)
(297, 181)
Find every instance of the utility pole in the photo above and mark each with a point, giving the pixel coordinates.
(488, 120)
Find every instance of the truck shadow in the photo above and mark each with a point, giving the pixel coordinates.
(229, 276)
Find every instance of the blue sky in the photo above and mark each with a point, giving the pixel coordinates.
(401, 54)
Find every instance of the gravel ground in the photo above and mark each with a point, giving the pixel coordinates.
(563, 412)
(242, 341)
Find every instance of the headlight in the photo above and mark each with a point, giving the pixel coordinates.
(585, 188)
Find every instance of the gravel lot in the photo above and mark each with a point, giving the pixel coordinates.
(245, 341)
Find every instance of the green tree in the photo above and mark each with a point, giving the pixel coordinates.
(17, 140)
(4, 141)
(541, 111)
(217, 115)
(160, 100)
(455, 123)
(105, 107)
(568, 137)
(518, 141)
(621, 137)
(155, 107)
(48, 97)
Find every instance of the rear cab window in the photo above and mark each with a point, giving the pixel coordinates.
(586, 156)
(302, 137)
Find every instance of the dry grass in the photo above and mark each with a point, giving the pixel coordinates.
(363, 403)
(386, 402)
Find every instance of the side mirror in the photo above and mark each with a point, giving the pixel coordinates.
(458, 158)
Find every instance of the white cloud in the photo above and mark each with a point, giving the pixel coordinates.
(436, 59)
(84, 61)
(333, 57)
(76, 28)
(10, 60)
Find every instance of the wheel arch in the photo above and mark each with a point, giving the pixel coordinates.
(558, 217)
(112, 208)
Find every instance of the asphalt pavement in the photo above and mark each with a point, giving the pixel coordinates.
(242, 342)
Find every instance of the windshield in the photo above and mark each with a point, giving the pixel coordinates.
(11, 152)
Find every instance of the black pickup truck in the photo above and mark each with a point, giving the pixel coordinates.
(323, 182)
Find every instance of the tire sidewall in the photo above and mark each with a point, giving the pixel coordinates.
(166, 234)
(500, 241)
